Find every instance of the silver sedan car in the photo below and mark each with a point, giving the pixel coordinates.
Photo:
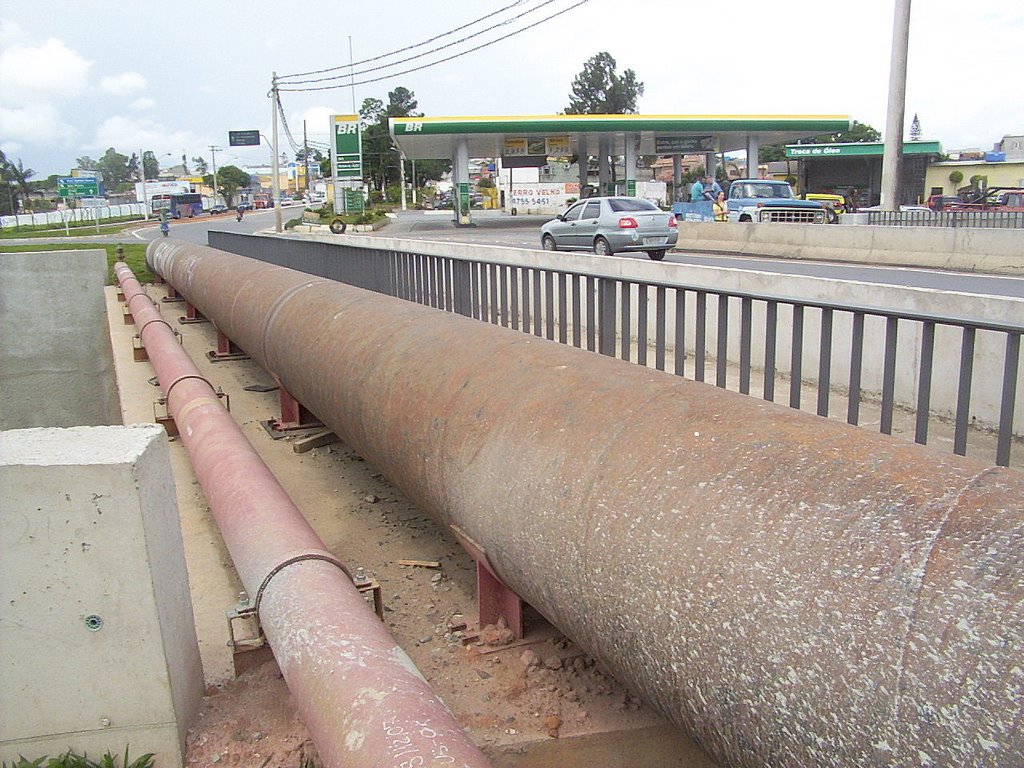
(607, 225)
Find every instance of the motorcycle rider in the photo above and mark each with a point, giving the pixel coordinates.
(238, 213)
(165, 225)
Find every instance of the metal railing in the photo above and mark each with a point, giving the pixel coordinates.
(688, 330)
(976, 219)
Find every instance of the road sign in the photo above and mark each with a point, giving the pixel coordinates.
(78, 186)
(244, 138)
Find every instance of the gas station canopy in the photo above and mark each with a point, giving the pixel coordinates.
(435, 138)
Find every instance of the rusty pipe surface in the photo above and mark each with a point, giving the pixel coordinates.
(789, 590)
(361, 697)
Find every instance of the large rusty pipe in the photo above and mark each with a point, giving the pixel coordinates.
(361, 697)
(791, 591)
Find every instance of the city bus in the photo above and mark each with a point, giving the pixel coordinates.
(187, 204)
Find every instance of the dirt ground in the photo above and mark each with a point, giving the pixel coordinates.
(537, 702)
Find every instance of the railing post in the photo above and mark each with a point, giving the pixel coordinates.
(463, 287)
(606, 316)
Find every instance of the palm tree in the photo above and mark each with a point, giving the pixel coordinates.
(20, 176)
(15, 178)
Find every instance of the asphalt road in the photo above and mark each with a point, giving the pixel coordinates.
(494, 228)
(197, 230)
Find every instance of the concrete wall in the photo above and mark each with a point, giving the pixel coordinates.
(90, 529)
(56, 366)
(994, 251)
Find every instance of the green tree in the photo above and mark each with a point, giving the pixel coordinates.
(133, 167)
(114, 167)
(231, 178)
(381, 159)
(150, 165)
(915, 129)
(402, 104)
(599, 90)
(200, 166)
(770, 153)
(858, 132)
(86, 163)
(14, 181)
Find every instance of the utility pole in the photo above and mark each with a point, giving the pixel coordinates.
(305, 154)
(401, 177)
(275, 166)
(351, 75)
(213, 160)
(892, 155)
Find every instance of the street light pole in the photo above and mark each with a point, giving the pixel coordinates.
(275, 167)
(213, 160)
(892, 155)
(145, 197)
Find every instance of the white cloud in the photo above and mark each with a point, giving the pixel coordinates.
(129, 134)
(10, 32)
(35, 124)
(318, 122)
(32, 75)
(124, 84)
(142, 104)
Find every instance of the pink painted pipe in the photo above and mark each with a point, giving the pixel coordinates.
(361, 697)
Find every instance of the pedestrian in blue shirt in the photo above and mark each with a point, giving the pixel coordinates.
(696, 192)
(712, 187)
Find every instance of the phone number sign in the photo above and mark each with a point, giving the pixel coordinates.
(543, 197)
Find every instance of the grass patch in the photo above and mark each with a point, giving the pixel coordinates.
(71, 760)
(134, 255)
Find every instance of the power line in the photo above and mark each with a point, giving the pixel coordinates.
(406, 48)
(296, 148)
(440, 61)
(424, 53)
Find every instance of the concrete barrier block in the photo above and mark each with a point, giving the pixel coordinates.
(98, 636)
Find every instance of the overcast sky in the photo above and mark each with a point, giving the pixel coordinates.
(76, 78)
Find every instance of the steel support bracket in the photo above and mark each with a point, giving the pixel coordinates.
(226, 350)
(495, 599)
(192, 315)
(294, 415)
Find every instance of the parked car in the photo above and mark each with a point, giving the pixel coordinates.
(218, 208)
(245, 205)
(903, 209)
(834, 204)
(608, 225)
(943, 202)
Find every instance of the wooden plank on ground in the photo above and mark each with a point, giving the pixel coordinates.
(320, 439)
(420, 563)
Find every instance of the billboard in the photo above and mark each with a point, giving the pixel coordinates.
(537, 146)
(681, 145)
